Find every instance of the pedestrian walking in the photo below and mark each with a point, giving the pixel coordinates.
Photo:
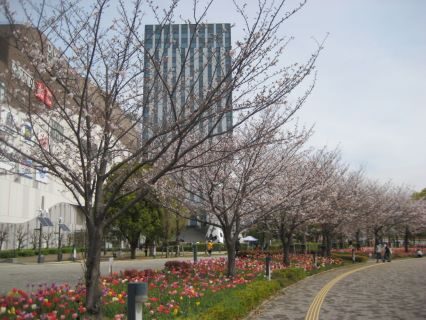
(387, 253)
(353, 254)
(209, 247)
(237, 247)
(378, 252)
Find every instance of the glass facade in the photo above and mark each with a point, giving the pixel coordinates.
(182, 63)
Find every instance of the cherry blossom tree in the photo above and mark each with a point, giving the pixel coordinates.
(301, 184)
(339, 204)
(88, 63)
(235, 193)
(386, 207)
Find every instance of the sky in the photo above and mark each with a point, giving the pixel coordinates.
(370, 93)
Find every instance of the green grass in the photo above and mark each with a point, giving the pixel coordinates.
(234, 303)
(237, 303)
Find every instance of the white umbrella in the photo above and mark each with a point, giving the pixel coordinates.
(249, 239)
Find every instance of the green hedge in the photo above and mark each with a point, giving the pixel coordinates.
(347, 257)
(7, 254)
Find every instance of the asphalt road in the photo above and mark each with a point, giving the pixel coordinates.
(25, 276)
(391, 291)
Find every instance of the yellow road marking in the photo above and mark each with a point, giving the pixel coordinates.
(315, 307)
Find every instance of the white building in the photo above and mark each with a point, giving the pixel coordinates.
(24, 190)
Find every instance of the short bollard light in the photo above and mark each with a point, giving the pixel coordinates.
(110, 261)
(137, 294)
(194, 250)
(268, 260)
(314, 258)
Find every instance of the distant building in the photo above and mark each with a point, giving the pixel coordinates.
(189, 59)
(183, 62)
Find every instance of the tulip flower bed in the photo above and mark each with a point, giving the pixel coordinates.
(180, 290)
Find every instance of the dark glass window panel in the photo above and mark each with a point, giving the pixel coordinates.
(148, 36)
(158, 30)
(219, 36)
(210, 35)
(175, 31)
(166, 33)
(193, 36)
(202, 36)
(227, 35)
(184, 36)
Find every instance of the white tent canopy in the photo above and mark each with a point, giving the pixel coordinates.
(249, 239)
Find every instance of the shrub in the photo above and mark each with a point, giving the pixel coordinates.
(347, 257)
(26, 253)
(285, 277)
(6, 254)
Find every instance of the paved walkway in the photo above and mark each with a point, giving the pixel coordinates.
(395, 290)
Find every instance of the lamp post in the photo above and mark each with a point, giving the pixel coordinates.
(137, 294)
(39, 258)
(59, 239)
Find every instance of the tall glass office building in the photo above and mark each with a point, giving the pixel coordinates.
(187, 67)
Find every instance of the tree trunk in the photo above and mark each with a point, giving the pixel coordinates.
(286, 251)
(406, 238)
(286, 242)
(327, 241)
(133, 247)
(230, 243)
(376, 238)
(230, 248)
(92, 273)
(358, 239)
(329, 244)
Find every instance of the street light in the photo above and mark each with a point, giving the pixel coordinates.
(63, 227)
(59, 239)
(44, 222)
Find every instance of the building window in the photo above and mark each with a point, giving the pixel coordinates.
(166, 42)
(202, 36)
(56, 131)
(148, 36)
(227, 33)
(210, 35)
(158, 30)
(175, 29)
(219, 36)
(184, 36)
